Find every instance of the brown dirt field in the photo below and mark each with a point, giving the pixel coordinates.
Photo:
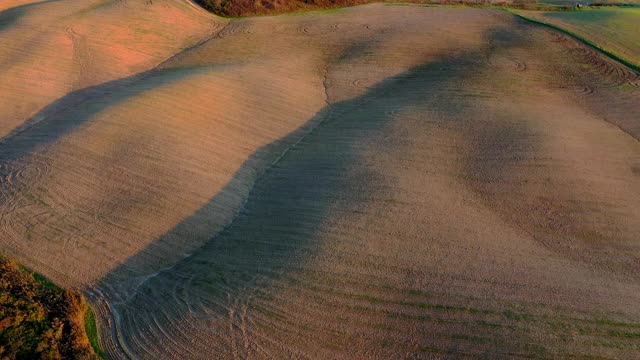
(378, 182)
(50, 48)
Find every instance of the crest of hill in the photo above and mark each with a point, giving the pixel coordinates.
(240, 8)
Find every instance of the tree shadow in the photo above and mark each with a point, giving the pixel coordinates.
(10, 16)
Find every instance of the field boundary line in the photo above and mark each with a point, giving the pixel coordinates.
(585, 41)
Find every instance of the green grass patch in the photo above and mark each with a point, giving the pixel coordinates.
(628, 87)
(615, 323)
(623, 334)
(471, 338)
(517, 316)
(41, 279)
(91, 329)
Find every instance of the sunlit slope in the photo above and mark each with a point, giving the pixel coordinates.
(378, 182)
(8, 4)
(106, 176)
(616, 30)
(458, 196)
(108, 172)
(50, 48)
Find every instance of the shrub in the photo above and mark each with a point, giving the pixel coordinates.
(39, 320)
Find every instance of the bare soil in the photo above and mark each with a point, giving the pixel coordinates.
(377, 182)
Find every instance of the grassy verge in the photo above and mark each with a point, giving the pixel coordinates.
(39, 320)
(581, 39)
(92, 332)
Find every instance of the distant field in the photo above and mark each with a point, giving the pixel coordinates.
(614, 29)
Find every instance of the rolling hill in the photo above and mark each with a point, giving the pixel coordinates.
(377, 182)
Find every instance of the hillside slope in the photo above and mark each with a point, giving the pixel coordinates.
(377, 182)
(50, 48)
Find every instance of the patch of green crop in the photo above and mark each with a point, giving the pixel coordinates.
(614, 323)
(92, 331)
(471, 338)
(588, 357)
(628, 87)
(623, 334)
(517, 316)
(429, 349)
(489, 324)
(536, 349)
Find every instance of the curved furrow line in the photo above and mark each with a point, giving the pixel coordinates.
(365, 317)
(326, 29)
(585, 90)
(21, 198)
(614, 74)
(557, 36)
(359, 82)
(241, 29)
(519, 65)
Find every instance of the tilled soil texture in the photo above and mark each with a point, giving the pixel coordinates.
(377, 182)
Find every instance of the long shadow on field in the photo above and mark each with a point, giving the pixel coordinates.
(11, 15)
(197, 306)
(76, 108)
(17, 54)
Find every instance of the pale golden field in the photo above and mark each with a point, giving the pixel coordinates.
(377, 182)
